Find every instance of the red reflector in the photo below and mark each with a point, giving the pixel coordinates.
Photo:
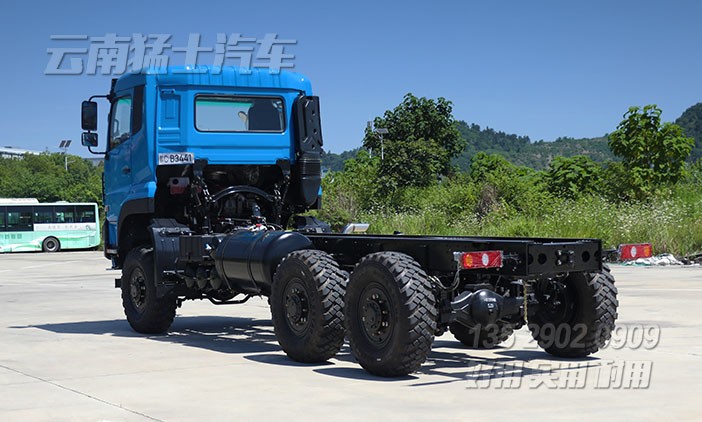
(483, 259)
(635, 251)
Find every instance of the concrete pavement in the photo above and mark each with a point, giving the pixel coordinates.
(67, 353)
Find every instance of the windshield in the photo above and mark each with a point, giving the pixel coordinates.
(238, 114)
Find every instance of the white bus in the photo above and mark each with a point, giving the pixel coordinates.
(27, 225)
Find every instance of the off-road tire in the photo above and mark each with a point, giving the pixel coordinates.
(307, 306)
(51, 244)
(592, 319)
(390, 288)
(146, 313)
(482, 337)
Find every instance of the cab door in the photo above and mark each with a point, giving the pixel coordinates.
(125, 123)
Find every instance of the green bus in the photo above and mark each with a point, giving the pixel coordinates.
(27, 225)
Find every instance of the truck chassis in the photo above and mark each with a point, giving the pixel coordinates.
(390, 295)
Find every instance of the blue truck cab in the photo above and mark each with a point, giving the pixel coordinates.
(234, 127)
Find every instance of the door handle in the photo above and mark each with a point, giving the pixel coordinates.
(126, 170)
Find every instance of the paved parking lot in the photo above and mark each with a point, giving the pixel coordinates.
(67, 353)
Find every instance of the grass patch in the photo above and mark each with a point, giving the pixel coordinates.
(672, 222)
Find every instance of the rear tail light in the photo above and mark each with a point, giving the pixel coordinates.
(635, 251)
(481, 259)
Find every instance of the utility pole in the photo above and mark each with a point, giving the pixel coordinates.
(369, 125)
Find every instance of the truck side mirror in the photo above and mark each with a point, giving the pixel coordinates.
(88, 115)
(89, 139)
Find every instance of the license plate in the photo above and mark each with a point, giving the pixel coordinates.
(168, 158)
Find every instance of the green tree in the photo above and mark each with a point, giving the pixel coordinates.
(484, 166)
(422, 140)
(348, 193)
(573, 177)
(653, 154)
(505, 188)
(44, 177)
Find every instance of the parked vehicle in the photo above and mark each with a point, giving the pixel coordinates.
(208, 173)
(27, 225)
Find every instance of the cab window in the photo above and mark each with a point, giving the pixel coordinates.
(121, 121)
(220, 113)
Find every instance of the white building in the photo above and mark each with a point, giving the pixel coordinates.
(12, 152)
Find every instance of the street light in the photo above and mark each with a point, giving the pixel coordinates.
(64, 146)
(381, 131)
(369, 126)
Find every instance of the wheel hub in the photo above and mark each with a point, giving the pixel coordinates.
(557, 303)
(297, 306)
(137, 288)
(375, 315)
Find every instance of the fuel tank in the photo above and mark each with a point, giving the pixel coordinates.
(247, 260)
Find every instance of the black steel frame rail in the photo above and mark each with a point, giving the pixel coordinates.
(523, 257)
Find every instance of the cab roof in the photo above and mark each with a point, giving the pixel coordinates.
(229, 76)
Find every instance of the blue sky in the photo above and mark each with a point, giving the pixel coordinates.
(540, 68)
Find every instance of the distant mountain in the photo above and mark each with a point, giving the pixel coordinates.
(335, 162)
(522, 151)
(489, 141)
(691, 122)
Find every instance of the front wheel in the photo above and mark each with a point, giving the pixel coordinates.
(576, 315)
(307, 306)
(390, 314)
(146, 313)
